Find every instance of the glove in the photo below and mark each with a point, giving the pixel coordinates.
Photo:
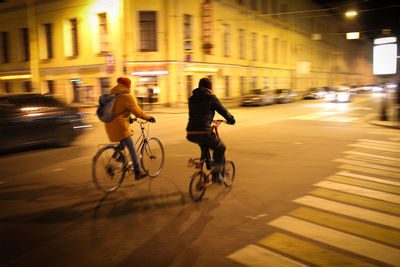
(231, 121)
(152, 120)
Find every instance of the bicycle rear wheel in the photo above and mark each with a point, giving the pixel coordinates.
(152, 156)
(229, 173)
(108, 168)
(197, 186)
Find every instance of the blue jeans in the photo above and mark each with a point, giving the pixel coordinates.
(128, 142)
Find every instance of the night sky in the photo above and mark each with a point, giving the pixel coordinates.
(373, 15)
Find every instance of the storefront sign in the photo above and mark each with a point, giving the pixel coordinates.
(207, 27)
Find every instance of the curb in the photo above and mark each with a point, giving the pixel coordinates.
(386, 124)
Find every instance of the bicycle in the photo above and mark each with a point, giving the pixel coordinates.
(202, 178)
(110, 163)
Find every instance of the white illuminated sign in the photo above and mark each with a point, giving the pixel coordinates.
(352, 35)
(385, 59)
(385, 40)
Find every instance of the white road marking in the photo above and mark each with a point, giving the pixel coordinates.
(371, 155)
(339, 239)
(371, 146)
(368, 178)
(256, 256)
(369, 165)
(349, 210)
(355, 190)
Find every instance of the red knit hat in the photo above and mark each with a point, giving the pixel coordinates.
(124, 81)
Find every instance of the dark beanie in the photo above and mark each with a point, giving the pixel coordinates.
(205, 83)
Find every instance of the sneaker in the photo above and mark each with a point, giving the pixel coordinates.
(217, 177)
(140, 174)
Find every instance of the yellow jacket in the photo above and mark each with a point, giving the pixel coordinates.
(118, 128)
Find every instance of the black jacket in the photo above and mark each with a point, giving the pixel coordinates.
(202, 107)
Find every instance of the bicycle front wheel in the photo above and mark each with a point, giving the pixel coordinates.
(108, 168)
(229, 173)
(197, 186)
(152, 156)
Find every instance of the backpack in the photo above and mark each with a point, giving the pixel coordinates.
(106, 106)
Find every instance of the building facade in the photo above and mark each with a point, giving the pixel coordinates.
(75, 49)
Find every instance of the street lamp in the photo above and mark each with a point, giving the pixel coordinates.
(351, 13)
(385, 62)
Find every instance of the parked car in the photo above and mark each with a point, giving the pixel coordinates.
(284, 96)
(339, 95)
(31, 119)
(258, 97)
(314, 93)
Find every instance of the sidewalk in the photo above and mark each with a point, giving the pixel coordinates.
(387, 124)
(179, 108)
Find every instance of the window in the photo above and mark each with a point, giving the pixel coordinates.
(274, 6)
(242, 85)
(276, 51)
(7, 87)
(189, 85)
(50, 87)
(264, 6)
(71, 37)
(253, 4)
(254, 45)
(49, 39)
(226, 40)
(284, 52)
(28, 86)
(74, 36)
(5, 48)
(242, 44)
(284, 9)
(25, 44)
(105, 85)
(265, 48)
(148, 31)
(103, 32)
(253, 82)
(227, 89)
(266, 82)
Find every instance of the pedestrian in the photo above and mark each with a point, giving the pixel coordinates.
(202, 106)
(118, 129)
(141, 94)
(398, 103)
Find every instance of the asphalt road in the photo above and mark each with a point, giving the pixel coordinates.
(286, 158)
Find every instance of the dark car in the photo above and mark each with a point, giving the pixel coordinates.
(314, 93)
(258, 97)
(284, 96)
(31, 119)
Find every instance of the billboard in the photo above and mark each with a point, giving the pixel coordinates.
(385, 59)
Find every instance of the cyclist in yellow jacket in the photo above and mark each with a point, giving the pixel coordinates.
(118, 129)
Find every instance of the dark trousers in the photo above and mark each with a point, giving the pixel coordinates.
(210, 141)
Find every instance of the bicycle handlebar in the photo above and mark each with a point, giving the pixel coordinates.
(133, 119)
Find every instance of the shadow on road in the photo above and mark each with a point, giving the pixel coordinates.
(174, 242)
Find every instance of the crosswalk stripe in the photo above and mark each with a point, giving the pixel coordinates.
(356, 190)
(370, 170)
(256, 256)
(365, 184)
(372, 155)
(368, 165)
(397, 144)
(338, 239)
(361, 201)
(347, 225)
(373, 160)
(374, 147)
(310, 252)
(349, 210)
(368, 178)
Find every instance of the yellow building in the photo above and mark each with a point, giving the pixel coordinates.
(75, 49)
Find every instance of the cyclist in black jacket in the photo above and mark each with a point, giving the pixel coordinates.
(202, 106)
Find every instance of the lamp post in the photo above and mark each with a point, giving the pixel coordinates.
(385, 63)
